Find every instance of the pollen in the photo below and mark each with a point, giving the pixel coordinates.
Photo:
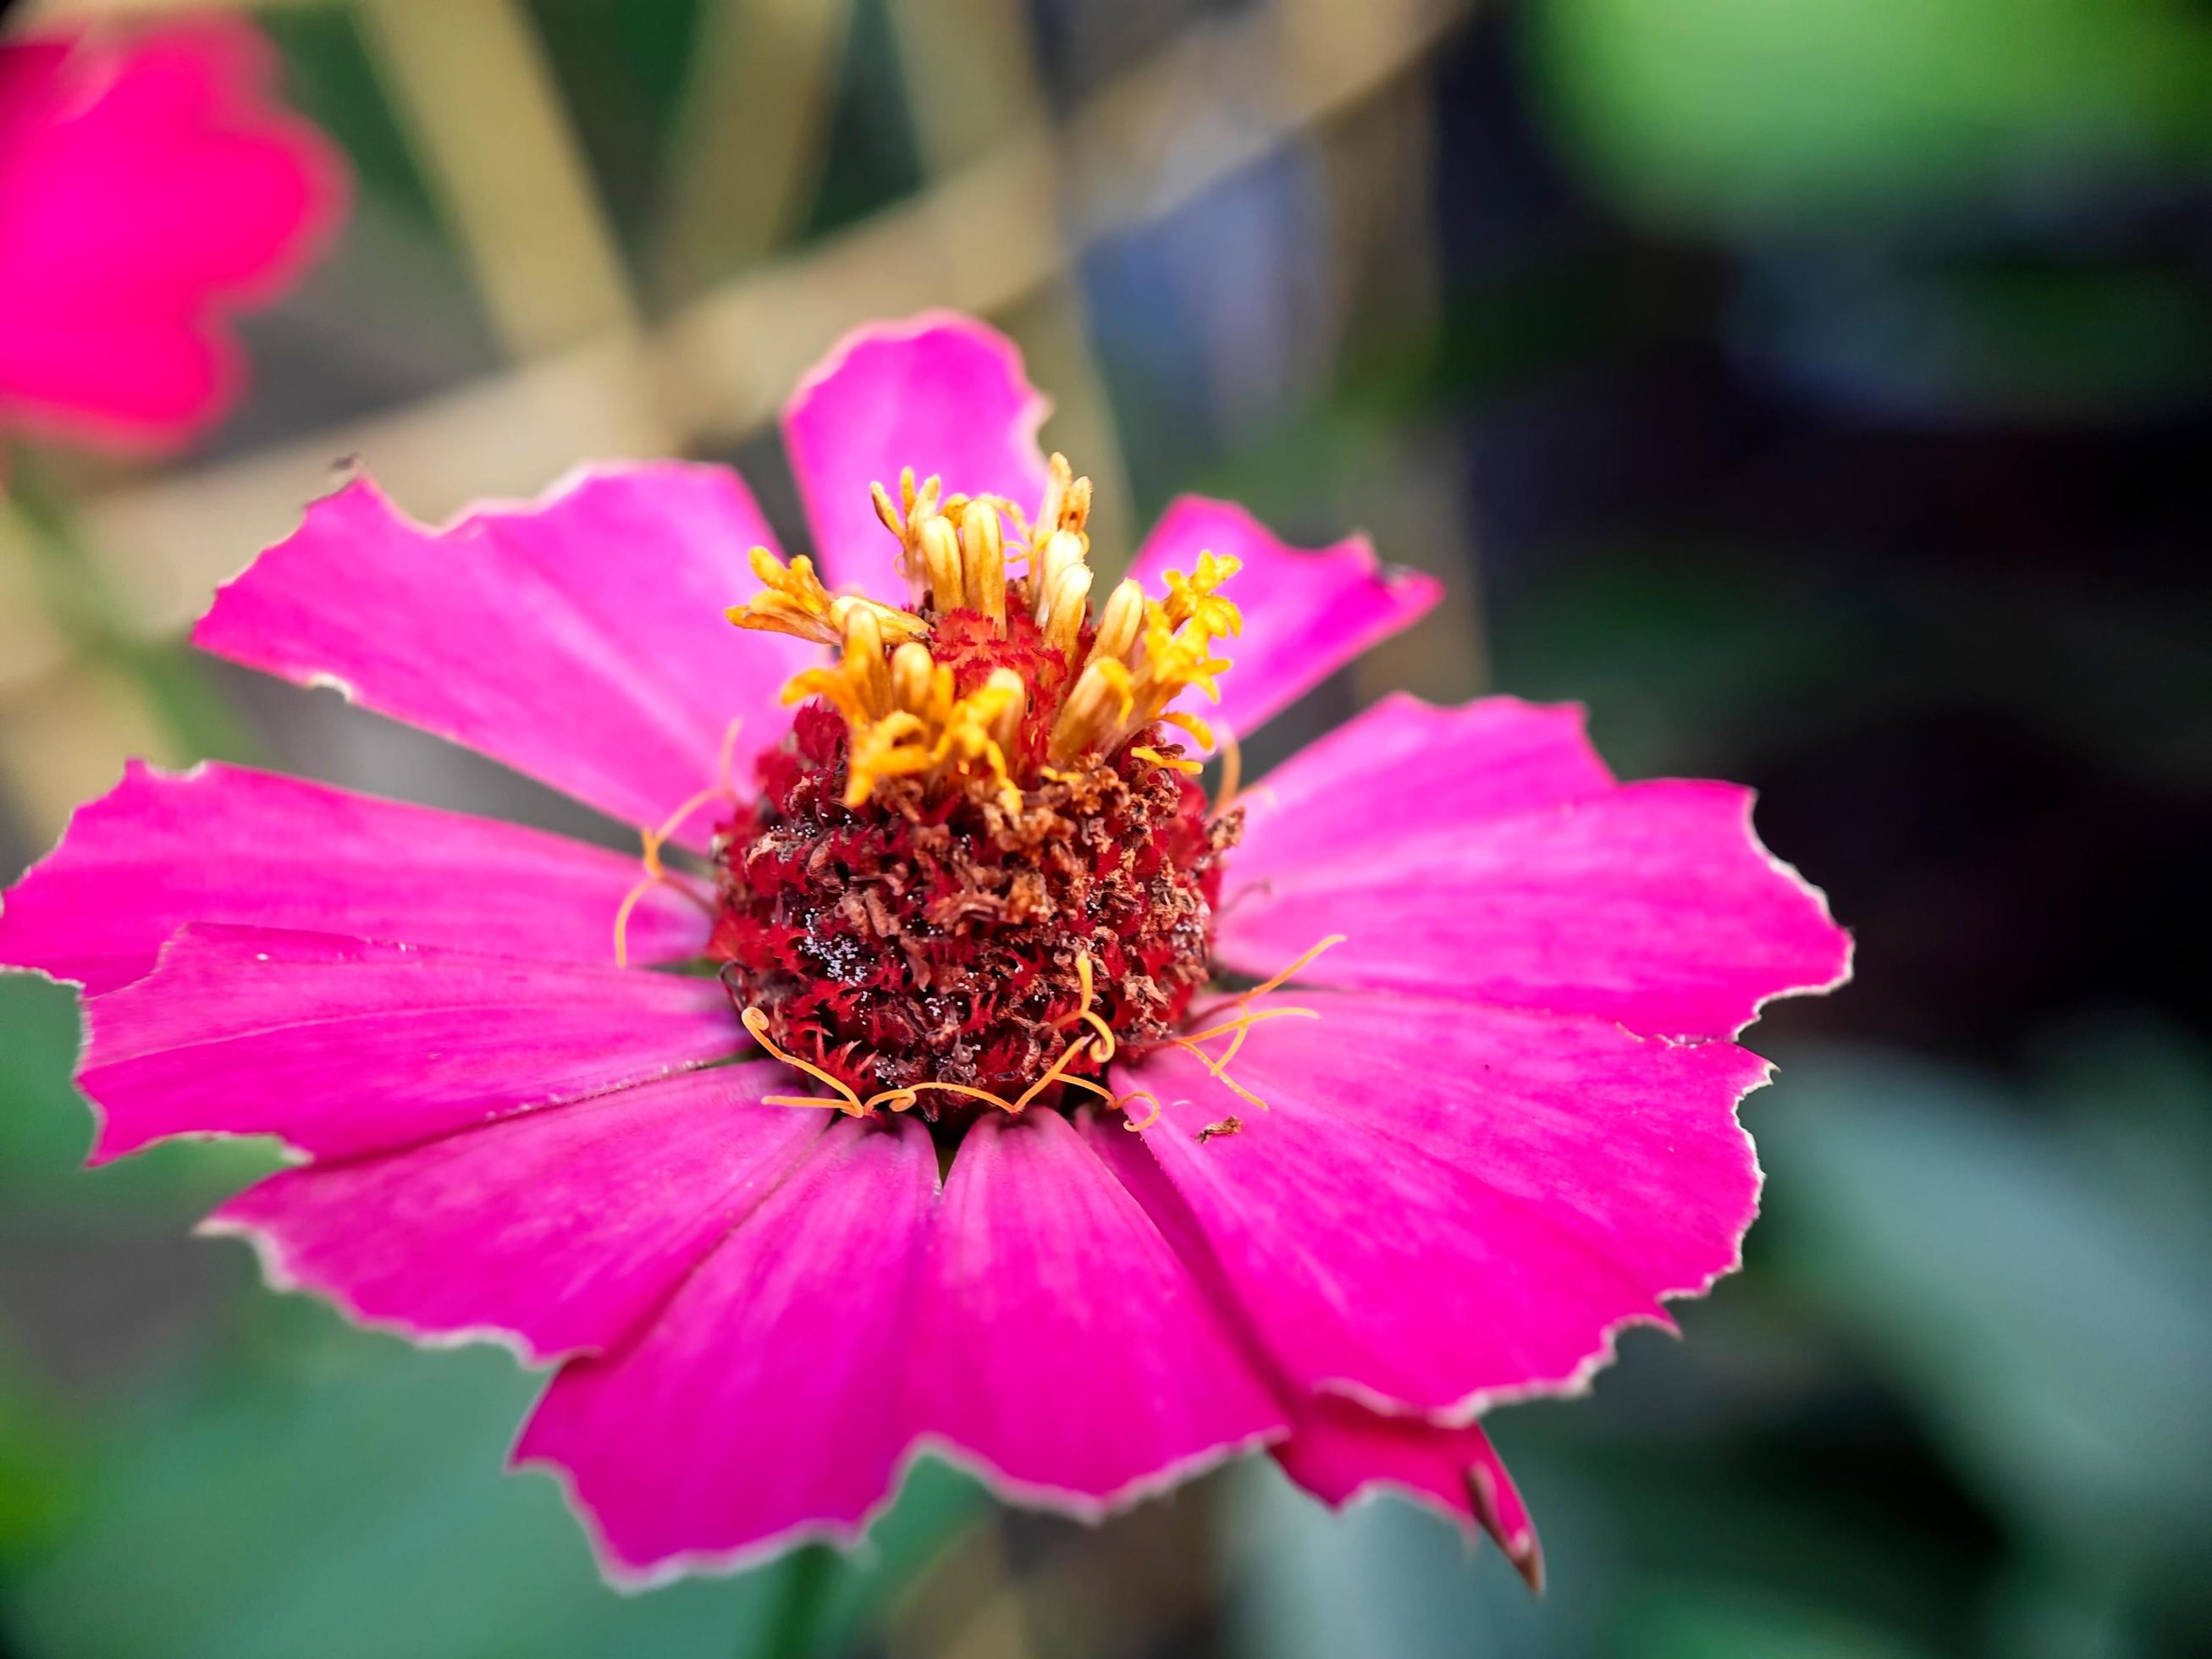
(980, 865)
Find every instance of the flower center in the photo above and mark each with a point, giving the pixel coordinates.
(978, 867)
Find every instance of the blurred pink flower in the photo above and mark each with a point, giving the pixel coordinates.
(1510, 1132)
(147, 187)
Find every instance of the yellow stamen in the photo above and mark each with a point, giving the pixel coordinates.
(793, 601)
(1063, 552)
(1244, 1022)
(656, 873)
(941, 565)
(1235, 1030)
(896, 746)
(902, 1099)
(1104, 698)
(1199, 730)
(902, 717)
(1151, 1117)
(1065, 608)
(1220, 1069)
(1144, 751)
(1066, 504)
(1232, 772)
(1176, 657)
(1193, 598)
(849, 1103)
(1120, 620)
(912, 671)
(1283, 978)
(983, 556)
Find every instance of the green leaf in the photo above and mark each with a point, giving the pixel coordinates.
(1743, 115)
(337, 1493)
(2052, 1336)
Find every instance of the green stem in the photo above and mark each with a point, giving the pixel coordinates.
(809, 1576)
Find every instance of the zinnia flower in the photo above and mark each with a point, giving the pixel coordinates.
(148, 186)
(960, 1146)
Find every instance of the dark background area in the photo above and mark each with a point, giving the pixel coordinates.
(1820, 393)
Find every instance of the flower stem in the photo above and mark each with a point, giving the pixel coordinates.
(809, 1576)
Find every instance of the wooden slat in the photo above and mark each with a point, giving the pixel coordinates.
(761, 91)
(723, 365)
(972, 79)
(470, 81)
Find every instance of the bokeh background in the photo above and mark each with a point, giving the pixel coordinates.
(1820, 390)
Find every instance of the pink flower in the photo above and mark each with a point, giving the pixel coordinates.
(148, 186)
(1495, 1125)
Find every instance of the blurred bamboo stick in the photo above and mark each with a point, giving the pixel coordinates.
(971, 73)
(722, 365)
(746, 166)
(470, 81)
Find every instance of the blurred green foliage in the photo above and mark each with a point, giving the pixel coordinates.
(1826, 117)
(1934, 1243)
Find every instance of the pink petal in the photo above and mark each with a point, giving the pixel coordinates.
(1062, 1343)
(1307, 613)
(121, 383)
(1653, 904)
(221, 843)
(581, 638)
(761, 1408)
(1449, 1204)
(938, 393)
(1341, 1452)
(147, 184)
(562, 1230)
(341, 1046)
(1403, 767)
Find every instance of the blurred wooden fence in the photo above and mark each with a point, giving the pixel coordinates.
(594, 368)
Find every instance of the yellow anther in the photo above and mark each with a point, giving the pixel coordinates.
(1121, 682)
(983, 559)
(893, 623)
(793, 601)
(1066, 606)
(1193, 598)
(1144, 751)
(969, 745)
(1006, 721)
(1099, 705)
(1075, 510)
(896, 746)
(1063, 551)
(1199, 731)
(912, 671)
(1059, 483)
(1175, 658)
(887, 511)
(866, 663)
(1120, 622)
(858, 686)
(942, 569)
